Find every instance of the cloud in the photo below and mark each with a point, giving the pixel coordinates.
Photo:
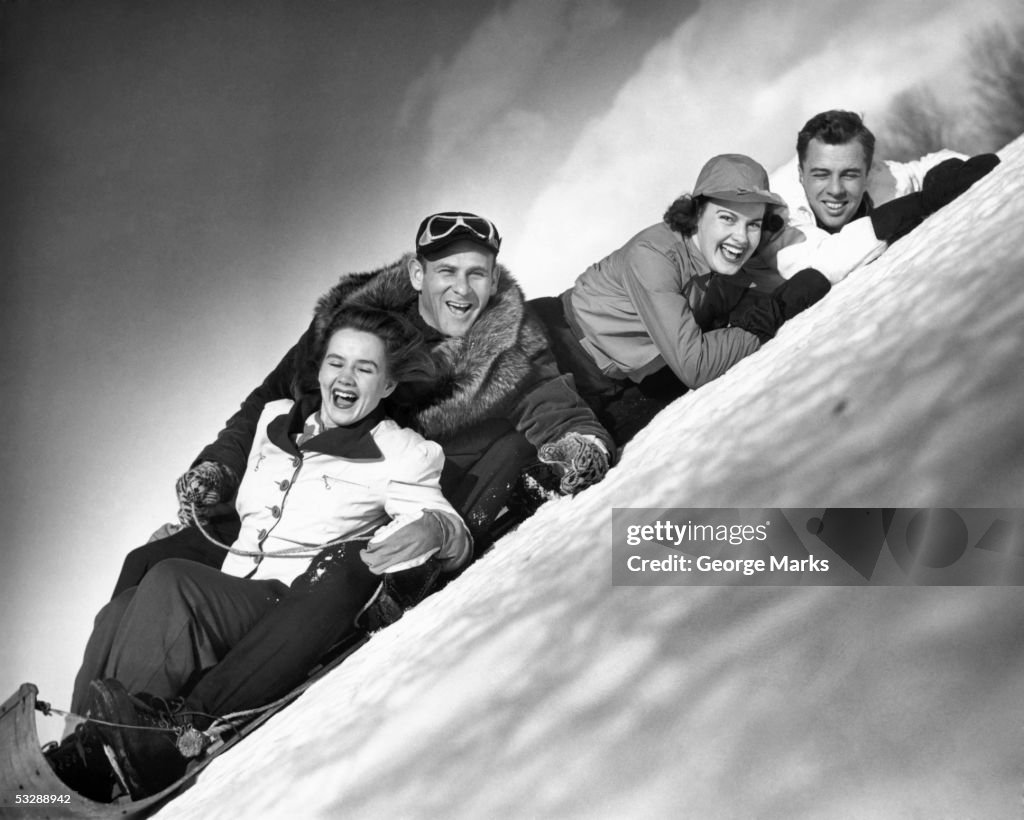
(734, 77)
(496, 110)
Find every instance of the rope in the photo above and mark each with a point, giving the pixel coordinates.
(306, 551)
(48, 710)
(214, 732)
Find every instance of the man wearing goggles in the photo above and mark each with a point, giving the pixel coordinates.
(496, 405)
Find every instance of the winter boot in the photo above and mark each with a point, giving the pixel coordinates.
(82, 763)
(151, 742)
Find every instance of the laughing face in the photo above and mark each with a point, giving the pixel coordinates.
(353, 377)
(834, 178)
(728, 233)
(455, 289)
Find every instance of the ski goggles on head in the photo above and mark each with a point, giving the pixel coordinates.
(439, 230)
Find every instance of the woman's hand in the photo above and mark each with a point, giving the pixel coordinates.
(410, 539)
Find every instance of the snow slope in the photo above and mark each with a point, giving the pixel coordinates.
(533, 688)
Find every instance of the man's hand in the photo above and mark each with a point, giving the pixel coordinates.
(205, 485)
(580, 460)
(941, 185)
(947, 180)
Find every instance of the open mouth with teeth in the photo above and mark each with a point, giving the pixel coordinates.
(344, 399)
(459, 308)
(732, 253)
(834, 208)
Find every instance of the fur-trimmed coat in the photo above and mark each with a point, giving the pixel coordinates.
(501, 375)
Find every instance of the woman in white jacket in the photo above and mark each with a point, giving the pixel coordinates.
(323, 471)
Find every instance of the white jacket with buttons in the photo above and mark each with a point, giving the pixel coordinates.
(299, 501)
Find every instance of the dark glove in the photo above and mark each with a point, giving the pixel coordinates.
(947, 180)
(721, 295)
(941, 185)
(757, 313)
(579, 460)
(801, 291)
(763, 314)
(205, 485)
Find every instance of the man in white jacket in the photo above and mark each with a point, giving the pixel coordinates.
(845, 208)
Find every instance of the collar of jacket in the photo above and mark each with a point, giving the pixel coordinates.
(353, 442)
(479, 375)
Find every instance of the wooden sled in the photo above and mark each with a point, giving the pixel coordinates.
(25, 772)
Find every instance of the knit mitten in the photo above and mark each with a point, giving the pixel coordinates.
(205, 485)
(580, 459)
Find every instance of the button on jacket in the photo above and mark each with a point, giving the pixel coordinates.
(341, 484)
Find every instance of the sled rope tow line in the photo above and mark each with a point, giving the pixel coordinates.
(306, 551)
(48, 710)
(191, 741)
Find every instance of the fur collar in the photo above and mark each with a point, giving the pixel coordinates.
(479, 376)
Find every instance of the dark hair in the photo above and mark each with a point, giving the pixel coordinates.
(835, 128)
(684, 213)
(408, 358)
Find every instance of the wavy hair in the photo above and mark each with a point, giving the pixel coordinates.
(835, 128)
(405, 350)
(684, 214)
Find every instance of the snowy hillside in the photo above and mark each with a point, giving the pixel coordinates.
(531, 687)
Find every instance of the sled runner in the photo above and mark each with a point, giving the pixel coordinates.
(30, 788)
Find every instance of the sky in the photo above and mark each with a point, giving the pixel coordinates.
(181, 181)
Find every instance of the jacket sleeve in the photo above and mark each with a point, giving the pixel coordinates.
(548, 406)
(652, 282)
(908, 177)
(804, 245)
(418, 490)
(233, 443)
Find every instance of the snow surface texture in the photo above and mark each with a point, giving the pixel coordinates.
(531, 687)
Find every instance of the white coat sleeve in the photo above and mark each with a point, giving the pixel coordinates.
(834, 254)
(909, 176)
(424, 522)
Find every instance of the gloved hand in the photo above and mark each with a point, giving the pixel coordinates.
(721, 296)
(411, 538)
(947, 180)
(941, 185)
(580, 460)
(763, 314)
(757, 313)
(205, 485)
(800, 291)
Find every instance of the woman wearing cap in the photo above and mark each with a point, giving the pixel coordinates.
(647, 322)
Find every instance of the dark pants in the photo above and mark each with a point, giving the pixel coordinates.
(624, 407)
(226, 643)
(275, 654)
(480, 470)
(188, 543)
(160, 636)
